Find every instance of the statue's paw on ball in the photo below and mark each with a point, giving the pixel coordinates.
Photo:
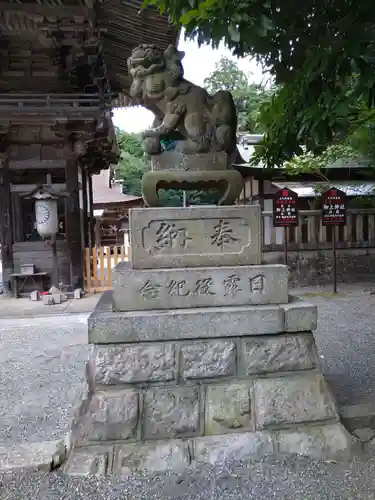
(151, 145)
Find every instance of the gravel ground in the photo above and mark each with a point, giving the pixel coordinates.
(282, 478)
(42, 373)
(346, 339)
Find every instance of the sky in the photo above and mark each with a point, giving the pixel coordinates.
(198, 64)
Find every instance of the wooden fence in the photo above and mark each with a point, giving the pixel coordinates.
(310, 234)
(99, 264)
(359, 232)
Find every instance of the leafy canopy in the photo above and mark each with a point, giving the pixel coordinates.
(248, 97)
(319, 52)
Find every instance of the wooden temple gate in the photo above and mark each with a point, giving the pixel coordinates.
(63, 67)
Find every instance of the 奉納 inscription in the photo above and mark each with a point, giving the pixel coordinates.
(195, 237)
(169, 236)
(223, 234)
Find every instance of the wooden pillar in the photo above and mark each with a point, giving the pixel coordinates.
(97, 231)
(91, 212)
(85, 209)
(73, 224)
(6, 228)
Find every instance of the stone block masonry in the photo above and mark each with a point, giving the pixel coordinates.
(187, 366)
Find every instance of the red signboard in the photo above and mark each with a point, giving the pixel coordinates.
(334, 208)
(285, 208)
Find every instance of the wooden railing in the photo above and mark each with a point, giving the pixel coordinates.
(99, 265)
(310, 234)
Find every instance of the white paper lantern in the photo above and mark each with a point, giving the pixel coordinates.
(47, 222)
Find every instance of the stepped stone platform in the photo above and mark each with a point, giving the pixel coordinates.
(204, 359)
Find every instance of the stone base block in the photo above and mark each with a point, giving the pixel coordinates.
(144, 289)
(330, 441)
(195, 236)
(174, 160)
(236, 321)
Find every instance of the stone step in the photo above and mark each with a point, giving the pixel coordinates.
(327, 441)
(106, 326)
(195, 236)
(145, 289)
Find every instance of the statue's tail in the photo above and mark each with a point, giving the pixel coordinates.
(225, 117)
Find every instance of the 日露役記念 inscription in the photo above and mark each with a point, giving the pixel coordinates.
(195, 236)
(197, 287)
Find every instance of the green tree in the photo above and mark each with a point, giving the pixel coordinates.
(248, 97)
(320, 54)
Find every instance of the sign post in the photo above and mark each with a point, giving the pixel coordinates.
(285, 214)
(334, 214)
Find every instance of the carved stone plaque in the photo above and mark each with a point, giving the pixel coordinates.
(143, 289)
(195, 236)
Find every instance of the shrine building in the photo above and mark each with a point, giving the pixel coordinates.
(63, 68)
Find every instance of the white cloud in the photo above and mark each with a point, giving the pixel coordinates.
(198, 63)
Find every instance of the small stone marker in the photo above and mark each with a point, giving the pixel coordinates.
(35, 296)
(48, 300)
(57, 298)
(78, 293)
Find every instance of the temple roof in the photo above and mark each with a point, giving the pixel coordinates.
(51, 27)
(127, 27)
(106, 194)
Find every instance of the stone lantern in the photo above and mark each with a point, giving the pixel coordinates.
(47, 221)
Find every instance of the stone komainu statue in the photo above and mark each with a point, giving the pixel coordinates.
(201, 128)
(206, 123)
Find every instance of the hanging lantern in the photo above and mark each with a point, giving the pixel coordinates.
(47, 222)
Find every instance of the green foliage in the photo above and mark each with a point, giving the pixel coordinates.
(320, 53)
(248, 97)
(317, 163)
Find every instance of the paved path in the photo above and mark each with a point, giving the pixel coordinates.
(25, 308)
(42, 373)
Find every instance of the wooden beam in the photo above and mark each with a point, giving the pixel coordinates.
(25, 188)
(36, 164)
(47, 11)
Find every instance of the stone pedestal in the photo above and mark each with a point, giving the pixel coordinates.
(200, 354)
